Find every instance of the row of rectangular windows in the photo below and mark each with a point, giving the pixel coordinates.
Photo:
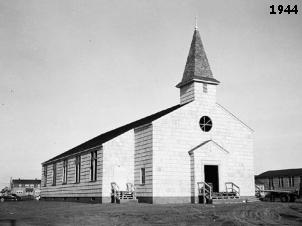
(93, 170)
(291, 181)
(27, 185)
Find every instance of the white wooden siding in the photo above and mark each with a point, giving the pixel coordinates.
(85, 188)
(118, 163)
(143, 159)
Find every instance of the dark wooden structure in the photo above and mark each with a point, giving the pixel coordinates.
(287, 179)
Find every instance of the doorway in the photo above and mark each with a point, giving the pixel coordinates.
(211, 176)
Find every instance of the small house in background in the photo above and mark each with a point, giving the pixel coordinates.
(287, 179)
(25, 187)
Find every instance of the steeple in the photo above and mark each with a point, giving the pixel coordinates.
(198, 83)
(197, 67)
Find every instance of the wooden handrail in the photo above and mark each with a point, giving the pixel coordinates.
(234, 188)
(204, 189)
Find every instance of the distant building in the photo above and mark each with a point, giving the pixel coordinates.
(287, 179)
(259, 184)
(24, 187)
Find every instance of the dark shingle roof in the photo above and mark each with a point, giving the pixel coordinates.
(197, 66)
(280, 173)
(26, 181)
(114, 133)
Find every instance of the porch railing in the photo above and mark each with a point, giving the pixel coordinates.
(232, 187)
(205, 190)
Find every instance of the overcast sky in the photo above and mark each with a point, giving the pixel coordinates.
(71, 70)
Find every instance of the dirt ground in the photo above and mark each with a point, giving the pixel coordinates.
(67, 213)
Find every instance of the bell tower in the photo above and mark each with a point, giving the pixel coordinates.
(198, 83)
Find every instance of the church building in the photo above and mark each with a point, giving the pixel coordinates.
(168, 155)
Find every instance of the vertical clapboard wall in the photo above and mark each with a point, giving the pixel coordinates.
(187, 93)
(118, 158)
(143, 159)
(192, 167)
(85, 188)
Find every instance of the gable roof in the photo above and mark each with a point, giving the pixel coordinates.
(204, 143)
(280, 173)
(26, 181)
(96, 141)
(197, 67)
(234, 116)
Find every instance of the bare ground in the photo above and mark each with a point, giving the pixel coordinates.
(67, 213)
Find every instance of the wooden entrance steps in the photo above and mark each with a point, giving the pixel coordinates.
(225, 195)
(126, 195)
(206, 194)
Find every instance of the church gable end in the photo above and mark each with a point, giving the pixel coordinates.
(164, 155)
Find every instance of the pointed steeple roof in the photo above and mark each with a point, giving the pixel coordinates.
(197, 66)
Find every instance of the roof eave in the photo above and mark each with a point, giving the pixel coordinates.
(56, 158)
(211, 81)
(98, 141)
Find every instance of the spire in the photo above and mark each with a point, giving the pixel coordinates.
(197, 66)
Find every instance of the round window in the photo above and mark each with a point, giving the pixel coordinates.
(205, 123)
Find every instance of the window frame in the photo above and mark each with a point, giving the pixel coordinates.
(65, 171)
(205, 123)
(54, 174)
(78, 169)
(143, 176)
(281, 182)
(93, 165)
(271, 182)
(45, 176)
(291, 181)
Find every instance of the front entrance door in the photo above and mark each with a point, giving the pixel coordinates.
(211, 176)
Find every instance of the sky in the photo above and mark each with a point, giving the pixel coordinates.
(71, 70)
